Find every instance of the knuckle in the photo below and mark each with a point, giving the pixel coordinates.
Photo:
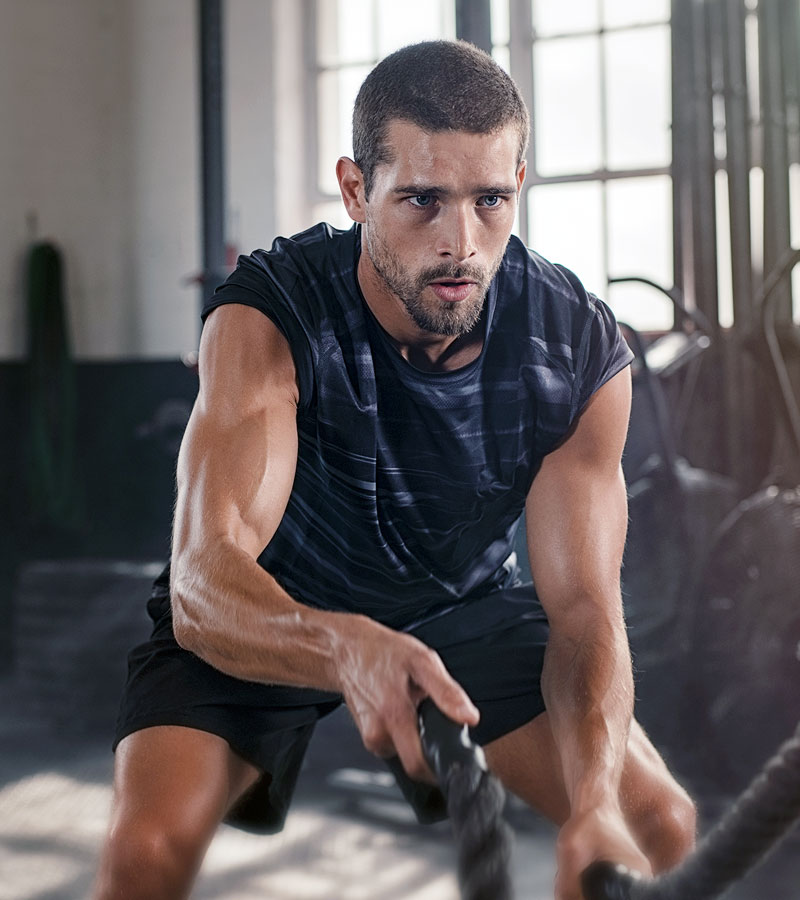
(374, 739)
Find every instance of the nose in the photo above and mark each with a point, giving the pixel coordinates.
(456, 238)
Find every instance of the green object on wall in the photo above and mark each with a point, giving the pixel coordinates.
(53, 488)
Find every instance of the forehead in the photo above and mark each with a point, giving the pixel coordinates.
(418, 156)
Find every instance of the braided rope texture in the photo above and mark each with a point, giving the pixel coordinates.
(746, 833)
(475, 802)
(750, 829)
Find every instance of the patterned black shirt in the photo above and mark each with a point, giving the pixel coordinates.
(410, 485)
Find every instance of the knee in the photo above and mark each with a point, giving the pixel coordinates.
(668, 828)
(143, 859)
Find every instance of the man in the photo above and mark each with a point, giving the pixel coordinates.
(376, 409)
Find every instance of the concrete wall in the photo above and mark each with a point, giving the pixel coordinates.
(100, 153)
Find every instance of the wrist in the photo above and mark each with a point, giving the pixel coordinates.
(595, 798)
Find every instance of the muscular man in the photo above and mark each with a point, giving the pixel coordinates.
(377, 407)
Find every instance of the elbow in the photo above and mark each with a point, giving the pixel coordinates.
(184, 618)
(185, 633)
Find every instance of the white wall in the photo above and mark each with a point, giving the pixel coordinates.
(100, 124)
(62, 159)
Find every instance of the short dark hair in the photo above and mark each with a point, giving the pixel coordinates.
(438, 86)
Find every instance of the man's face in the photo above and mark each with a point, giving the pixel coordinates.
(437, 222)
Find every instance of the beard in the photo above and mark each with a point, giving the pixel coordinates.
(434, 316)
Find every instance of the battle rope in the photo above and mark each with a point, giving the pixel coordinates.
(746, 833)
(475, 802)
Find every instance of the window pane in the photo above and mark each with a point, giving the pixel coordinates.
(502, 57)
(638, 98)
(642, 307)
(567, 106)
(333, 213)
(619, 13)
(336, 94)
(557, 17)
(640, 243)
(724, 262)
(501, 29)
(345, 31)
(411, 21)
(566, 226)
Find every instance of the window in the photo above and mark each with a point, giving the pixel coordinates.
(596, 77)
(351, 36)
(598, 193)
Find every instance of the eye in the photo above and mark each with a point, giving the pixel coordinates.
(491, 201)
(423, 201)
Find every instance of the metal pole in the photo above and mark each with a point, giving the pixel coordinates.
(776, 162)
(521, 40)
(705, 220)
(741, 402)
(212, 145)
(683, 140)
(738, 162)
(474, 22)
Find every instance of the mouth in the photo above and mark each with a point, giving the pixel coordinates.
(452, 290)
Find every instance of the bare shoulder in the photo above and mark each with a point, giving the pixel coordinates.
(244, 359)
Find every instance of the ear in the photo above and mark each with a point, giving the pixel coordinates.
(521, 174)
(351, 184)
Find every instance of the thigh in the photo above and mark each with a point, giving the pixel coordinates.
(494, 647)
(178, 781)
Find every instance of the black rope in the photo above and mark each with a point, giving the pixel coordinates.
(475, 803)
(749, 830)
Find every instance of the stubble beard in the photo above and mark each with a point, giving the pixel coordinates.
(435, 316)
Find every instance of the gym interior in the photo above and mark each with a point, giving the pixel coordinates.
(148, 143)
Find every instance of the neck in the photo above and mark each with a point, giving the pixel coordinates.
(424, 350)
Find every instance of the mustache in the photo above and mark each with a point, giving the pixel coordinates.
(452, 273)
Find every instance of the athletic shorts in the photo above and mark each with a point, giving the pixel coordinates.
(493, 646)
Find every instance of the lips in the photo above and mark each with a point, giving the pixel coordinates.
(452, 291)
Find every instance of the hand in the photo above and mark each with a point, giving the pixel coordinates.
(599, 834)
(384, 675)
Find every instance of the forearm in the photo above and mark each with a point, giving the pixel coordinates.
(588, 688)
(235, 616)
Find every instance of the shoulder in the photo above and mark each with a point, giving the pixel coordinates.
(293, 266)
(567, 341)
(304, 284)
(551, 296)
(544, 309)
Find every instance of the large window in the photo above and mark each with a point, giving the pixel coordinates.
(351, 36)
(598, 194)
(596, 75)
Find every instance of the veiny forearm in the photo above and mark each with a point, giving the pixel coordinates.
(234, 615)
(588, 687)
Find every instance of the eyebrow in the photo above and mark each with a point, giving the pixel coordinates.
(412, 189)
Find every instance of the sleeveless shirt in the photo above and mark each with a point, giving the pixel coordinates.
(410, 485)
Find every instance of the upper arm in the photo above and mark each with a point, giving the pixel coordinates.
(576, 511)
(237, 460)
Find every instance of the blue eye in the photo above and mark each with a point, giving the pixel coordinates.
(490, 201)
(421, 200)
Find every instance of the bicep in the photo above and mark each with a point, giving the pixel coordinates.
(237, 461)
(576, 510)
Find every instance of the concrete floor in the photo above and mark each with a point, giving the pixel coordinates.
(55, 797)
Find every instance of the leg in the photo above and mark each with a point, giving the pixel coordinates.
(660, 813)
(172, 787)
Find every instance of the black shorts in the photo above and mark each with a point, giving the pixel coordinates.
(493, 646)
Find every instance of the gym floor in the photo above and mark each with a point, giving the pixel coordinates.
(55, 796)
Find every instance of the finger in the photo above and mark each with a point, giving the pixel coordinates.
(435, 682)
(405, 734)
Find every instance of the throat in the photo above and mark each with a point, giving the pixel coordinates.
(444, 354)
